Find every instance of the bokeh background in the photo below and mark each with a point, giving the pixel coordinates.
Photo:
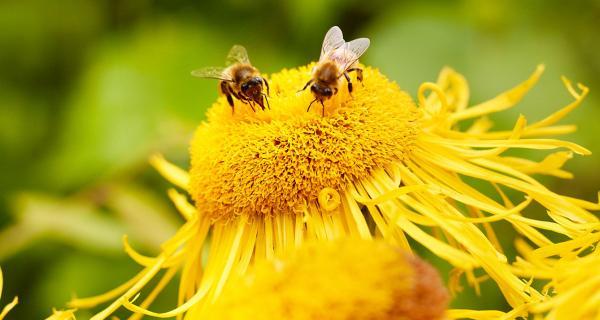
(89, 89)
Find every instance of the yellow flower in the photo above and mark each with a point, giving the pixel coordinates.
(344, 279)
(9, 306)
(375, 166)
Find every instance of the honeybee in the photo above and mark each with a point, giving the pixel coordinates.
(239, 79)
(338, 58)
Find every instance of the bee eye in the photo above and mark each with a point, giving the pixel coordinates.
(327, 91)
(245, 86)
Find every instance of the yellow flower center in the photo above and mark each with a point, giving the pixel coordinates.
(276, 161)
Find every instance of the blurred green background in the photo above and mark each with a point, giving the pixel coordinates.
(89, 89)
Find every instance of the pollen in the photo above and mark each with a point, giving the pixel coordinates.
(334, 281)
(275, 162)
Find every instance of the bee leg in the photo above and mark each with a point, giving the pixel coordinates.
(266, 85)
(267, 101)
(238, 96)
(227, 93)
(321, 101)
(308, 109)
(359, 73)
(306, 85)
(243, 99)
(347, 76)
(251, 105)
(230, 101)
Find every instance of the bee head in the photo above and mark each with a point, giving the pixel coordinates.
(253, 90)
(252, 87)
(320, 90)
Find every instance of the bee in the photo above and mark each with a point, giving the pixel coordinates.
(338, 58)
(239, 79)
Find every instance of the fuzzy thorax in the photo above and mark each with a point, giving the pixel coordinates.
(279, 160)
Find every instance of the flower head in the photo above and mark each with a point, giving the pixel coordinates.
(277, 162)
(374, 166)
(334, 281)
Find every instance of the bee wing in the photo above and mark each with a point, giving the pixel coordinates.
(333, 40)
(212, 73)
(352, 51)
(237, 54)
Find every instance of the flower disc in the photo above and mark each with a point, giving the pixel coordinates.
(278, 160)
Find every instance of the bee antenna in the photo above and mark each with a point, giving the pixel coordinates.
(308, 109)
